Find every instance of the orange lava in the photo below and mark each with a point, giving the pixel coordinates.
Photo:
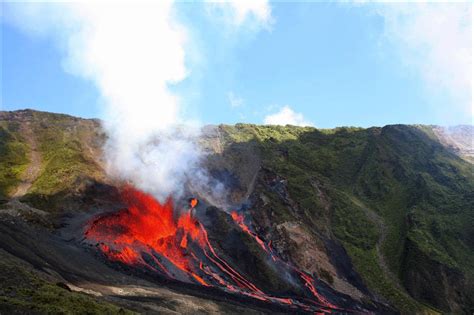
(151, 235)
(193, 202)
(145, 223)
(146, 226)
(239, 219)
(308, 280)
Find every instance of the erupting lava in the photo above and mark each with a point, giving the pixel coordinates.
(147, 234)
(193, 202)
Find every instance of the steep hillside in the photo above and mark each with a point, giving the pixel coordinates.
(47, 269)
(383, 216)
(459, 139)
(57, 154)
(398, 201)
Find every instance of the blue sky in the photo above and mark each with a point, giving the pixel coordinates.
(329, 64)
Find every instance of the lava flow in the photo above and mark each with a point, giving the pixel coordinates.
(307, 280)
(147, 234)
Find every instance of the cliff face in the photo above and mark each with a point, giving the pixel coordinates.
(380, 215)
(459, 139)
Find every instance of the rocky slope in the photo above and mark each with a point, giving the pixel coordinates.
(382, 216)
(459, 139)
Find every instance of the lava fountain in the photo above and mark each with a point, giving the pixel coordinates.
(147, 234)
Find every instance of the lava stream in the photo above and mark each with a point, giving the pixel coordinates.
(147, 234)
(308, 280)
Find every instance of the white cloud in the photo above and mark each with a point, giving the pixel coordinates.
(240, 11)
(286, 116)
(260, 9)
(434, 41)
(234, 100)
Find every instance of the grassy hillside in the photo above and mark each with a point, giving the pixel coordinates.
(13, 157)
(422, 192)
(24, 292)
(69, 150)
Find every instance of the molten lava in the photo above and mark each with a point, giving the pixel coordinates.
(148, 234)
(193, 202)
(308, 280)
(147, 226)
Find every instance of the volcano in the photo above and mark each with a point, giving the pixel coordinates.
(173, 243)
(342, 221)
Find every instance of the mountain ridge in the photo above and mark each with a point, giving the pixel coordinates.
(377, 213)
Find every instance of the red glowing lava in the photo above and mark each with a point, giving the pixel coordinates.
(308, 280)
(147, 225)
(150, 235)
(193, 202)
(239, 219)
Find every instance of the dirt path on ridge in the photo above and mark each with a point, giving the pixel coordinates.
(375, 218)
(34, 167)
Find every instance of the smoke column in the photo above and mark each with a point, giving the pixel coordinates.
(132, 51)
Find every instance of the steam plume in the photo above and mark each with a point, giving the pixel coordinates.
(132, 51)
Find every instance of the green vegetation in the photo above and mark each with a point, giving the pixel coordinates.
(421, 191)
(351, 224)
(63, 145)
(367, 265)
(22, 291)
(13, 157)
(68, 147)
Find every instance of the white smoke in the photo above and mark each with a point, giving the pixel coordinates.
(132, 51)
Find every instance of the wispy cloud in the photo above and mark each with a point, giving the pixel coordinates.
(259, 9)
(286, 116)
(234, 100)
(434, 42)
(254, 13)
